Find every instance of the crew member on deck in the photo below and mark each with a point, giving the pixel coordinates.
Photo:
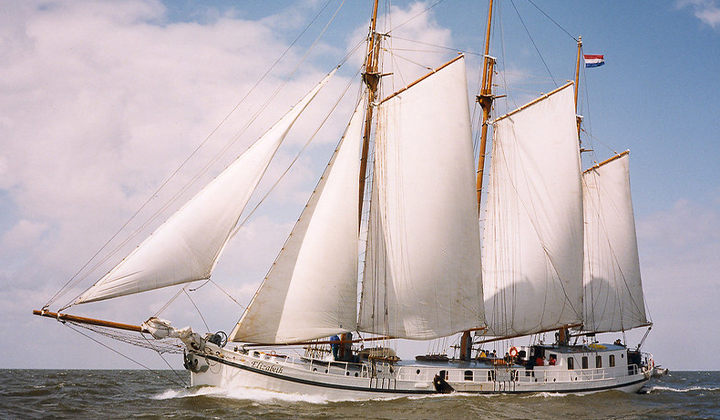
(335, 346)
(346, 347)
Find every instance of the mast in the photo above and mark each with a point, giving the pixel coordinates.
(371, 77)
(485, 99)
(577, 83)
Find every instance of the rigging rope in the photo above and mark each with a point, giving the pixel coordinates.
(197, 309)
(416, 16)
(533, 42)
(436, 46)
(553, 21)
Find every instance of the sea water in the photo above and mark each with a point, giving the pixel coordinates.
(135, 394)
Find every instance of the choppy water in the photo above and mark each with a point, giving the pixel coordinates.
(109, 394)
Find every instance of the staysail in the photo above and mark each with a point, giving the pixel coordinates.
(422, 269)
(185, 248)
(613, 287)
(311, 290)
(532, 245)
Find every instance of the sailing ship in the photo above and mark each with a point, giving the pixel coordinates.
(559, 254)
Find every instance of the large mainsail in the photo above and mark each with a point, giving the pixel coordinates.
(311, 290)
(422, 269)
(613, 288)
(186, 247)
(533, 239)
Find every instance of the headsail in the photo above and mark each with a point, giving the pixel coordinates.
(613, 288)
(532, 247)
(186, 247)
(311, 290)
(422, 269)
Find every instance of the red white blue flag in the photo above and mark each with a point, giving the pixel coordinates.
(592, 60)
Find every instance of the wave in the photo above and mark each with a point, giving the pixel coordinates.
(683, 390)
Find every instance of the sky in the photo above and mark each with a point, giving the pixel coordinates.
(101, 101)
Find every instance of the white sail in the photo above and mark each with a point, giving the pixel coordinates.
(311, 290)
(613, 288)
(422, 272)
(185, 248)
(532, 244)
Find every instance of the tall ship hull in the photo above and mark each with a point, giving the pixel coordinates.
(333, 380)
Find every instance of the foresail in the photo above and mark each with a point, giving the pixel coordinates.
(311, 290)
(185, 248)
(613, 287)
(422, 269)
(532, 244)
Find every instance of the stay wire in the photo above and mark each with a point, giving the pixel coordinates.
(553, 21)
(152, 346)
(418, 15)
(74, 280)
(437, 46)
(533, 42)
(172, 299)
(197, 309)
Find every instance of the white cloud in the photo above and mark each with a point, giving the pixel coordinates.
(708, 11)
(23, 235)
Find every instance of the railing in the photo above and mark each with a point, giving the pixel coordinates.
(516, 374)
(385, 375)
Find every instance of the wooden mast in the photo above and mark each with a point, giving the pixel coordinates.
(577, 84)
(485, 99)
(371, 77)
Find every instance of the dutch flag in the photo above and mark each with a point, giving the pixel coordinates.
(594, 60)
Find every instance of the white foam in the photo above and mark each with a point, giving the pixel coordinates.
(682, 390)
(547, 395)
(188, 392)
